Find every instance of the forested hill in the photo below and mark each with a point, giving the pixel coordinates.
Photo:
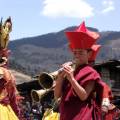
(47, 52)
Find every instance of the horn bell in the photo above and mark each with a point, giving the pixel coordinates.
(39, 95)
(45, 80)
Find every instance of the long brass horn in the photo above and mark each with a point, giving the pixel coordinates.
(46, 80)
(38, 95)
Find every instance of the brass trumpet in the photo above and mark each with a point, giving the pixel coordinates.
(39, 95)
(47, 80)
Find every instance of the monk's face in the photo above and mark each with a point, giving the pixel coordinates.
(80, 56)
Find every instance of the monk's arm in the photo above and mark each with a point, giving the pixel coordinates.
(82, 92)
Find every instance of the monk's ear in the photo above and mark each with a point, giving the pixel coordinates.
(89, 54)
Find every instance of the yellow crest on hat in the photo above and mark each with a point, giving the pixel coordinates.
(5, 29)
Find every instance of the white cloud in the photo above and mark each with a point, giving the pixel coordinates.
(67, 8)
(108, 6)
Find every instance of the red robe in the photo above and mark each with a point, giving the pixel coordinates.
(113, 111)
(8, 89)
(71, 107)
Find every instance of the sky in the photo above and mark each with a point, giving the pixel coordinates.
(38, 17)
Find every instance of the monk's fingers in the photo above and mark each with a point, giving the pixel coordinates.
(67, 69)
(67, 64)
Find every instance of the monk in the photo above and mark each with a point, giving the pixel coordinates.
(76, 86)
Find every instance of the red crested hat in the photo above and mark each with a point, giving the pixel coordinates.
(81, 38)
(95, 49)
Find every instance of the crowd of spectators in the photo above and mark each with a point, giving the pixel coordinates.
(33, 110)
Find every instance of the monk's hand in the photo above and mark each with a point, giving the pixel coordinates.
(60, 75)
(68, 70)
